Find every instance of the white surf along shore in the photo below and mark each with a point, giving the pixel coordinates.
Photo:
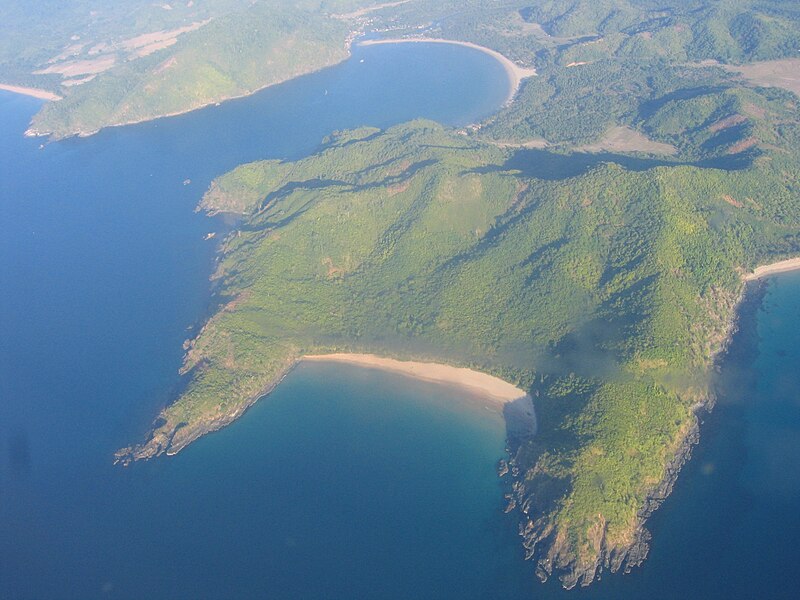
(515, 403)
(516, 74)
(783, 266)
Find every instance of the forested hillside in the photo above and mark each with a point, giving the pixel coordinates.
(231, 56)
(602, 283)
(118, 63)
(588, 242)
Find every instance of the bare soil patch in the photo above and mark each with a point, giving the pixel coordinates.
(625, 139)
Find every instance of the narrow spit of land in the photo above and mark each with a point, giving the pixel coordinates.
(28, 91)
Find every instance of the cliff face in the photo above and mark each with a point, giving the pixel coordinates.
(535, 494)
(547, 546)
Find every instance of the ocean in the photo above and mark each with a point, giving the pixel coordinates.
(346, 482)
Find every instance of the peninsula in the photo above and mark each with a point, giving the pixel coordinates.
(603, 284)
(604, 287)
(32, 92)
(209, 64)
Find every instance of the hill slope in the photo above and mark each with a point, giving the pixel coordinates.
(604, 290)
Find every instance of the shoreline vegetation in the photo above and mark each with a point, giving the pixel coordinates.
(527, 261)
(516, 74)
(32, 92)
(237, 54)
(576, 275)
(34, 132)
(783, 266)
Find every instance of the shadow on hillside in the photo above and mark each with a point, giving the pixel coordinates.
(649, 108)
(550, 166)
(294, 186)
(520, 419)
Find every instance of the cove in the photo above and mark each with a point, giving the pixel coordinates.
(103, 274)
(328, 489)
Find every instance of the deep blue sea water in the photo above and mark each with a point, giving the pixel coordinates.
(322, 491)
(345, 482)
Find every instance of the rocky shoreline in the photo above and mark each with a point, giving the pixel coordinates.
(542, 544)
(539, 536)
(178, 436)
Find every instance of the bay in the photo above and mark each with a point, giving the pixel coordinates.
(103, 274)
(345, 482)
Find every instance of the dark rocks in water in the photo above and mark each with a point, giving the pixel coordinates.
(544, 547)
(502, 468)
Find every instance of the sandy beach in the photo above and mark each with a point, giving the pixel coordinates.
(792, 264)
(26, 91)
(515, 73)
(488, 386)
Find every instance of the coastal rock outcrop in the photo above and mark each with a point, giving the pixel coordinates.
(547, 546)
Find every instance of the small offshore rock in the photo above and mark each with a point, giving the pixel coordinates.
(502, 467)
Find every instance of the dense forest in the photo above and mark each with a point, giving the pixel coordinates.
(120, 63)
(605, 284)
(588, 242)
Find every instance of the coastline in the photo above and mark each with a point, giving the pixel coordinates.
(516, 74)
(492, 388)
(540, 533)
(782, 266)
(32, 132)
(32, 92)
(749, 300)
(750, 296)
(515, 404)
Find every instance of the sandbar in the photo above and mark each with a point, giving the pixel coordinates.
(515, 72)
(783, 266)
(28, 91)
(487, 386)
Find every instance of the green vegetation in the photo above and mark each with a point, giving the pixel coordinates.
(31, 34)
(604, 283)
(605, 286)
(231, 56)
(622, 47)
(106, 59)
(610, 63)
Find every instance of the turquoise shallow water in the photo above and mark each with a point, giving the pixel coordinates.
(345, 483)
